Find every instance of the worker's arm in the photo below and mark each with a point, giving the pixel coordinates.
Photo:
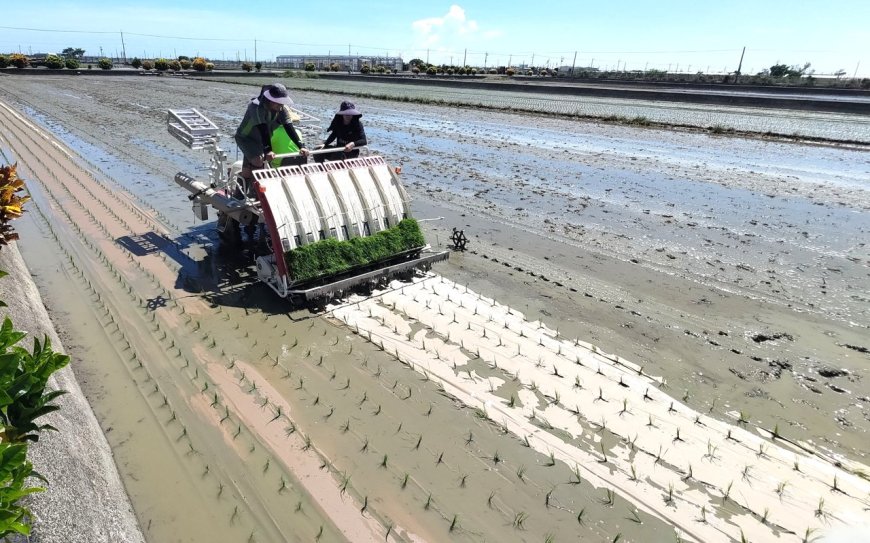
(360, 137)
(249, 135)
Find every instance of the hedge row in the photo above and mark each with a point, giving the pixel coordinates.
(330, 256)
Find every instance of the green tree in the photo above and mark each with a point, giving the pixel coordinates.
(199, 64)
(4, 61)
(147, 64)
(310, 67)
(258, 66)
(185, 63)
(246, 67)
(136, 63)
(161, 64)
(104, 63)
(71, 52)
(174, 65)
(72, 63)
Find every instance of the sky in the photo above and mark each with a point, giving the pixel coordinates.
(676, 35)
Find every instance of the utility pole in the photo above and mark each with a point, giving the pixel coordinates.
(854, 75)
(510, 57)
(101, 51)
(740, 65)
(485, 58)
(533, 61)
(464, 56)
(427, 57)
(255, 51)
(123, 48)
(573, 64)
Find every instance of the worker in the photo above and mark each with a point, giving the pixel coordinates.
(266, 114)
(346, 133)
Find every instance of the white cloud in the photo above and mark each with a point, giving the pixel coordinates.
(450, 29)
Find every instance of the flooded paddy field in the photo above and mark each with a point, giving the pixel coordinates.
(650, 330)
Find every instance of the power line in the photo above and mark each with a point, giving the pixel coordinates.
(56, 30)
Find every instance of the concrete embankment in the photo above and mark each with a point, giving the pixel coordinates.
(84, 500)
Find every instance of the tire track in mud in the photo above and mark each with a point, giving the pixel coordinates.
(183, 376)
(714, 481)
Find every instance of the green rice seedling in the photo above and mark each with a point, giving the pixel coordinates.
(462, 480)
(520, 519)
(609, 497)
(764, 515)
(454, 523)
(820, 510)
(796, 465)
(616, 538)
(669, 499)
(319, 534)
(727, 492)
(345, 481)
(808, 535)
(677, 437)
(633, 476)
(526, 441)
(835, 487)
(490, 498)
(345, 427)
(298, 508)
(581, 516)
(658, 456)
(576, 473)
(689, 473)
(440, 459)
(743, 418)
(419, 442)
(634, 516)
(496, 458)
(365, 505)
(521, 473)
(600, 395)
(289, 430)
(469, 439)
(428, 503)
(551, 460)
(548, 497)
(306, 442)
(672, 409)
(268, 463)
(746, 470)
(329, 413)
(577, 384)
(646, 395)
(549, 538)
(405, 480)
(743, 538)
(365, 445)
(316, 400)
(238, 431)
(377, 411)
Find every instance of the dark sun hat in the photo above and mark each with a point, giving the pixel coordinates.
(347, 108)
(278, 93)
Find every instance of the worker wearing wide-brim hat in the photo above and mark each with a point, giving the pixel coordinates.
(266, 113)
(346, 132)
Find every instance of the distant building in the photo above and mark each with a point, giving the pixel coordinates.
(344, 63)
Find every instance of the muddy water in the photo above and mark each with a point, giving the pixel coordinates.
(597, 267)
